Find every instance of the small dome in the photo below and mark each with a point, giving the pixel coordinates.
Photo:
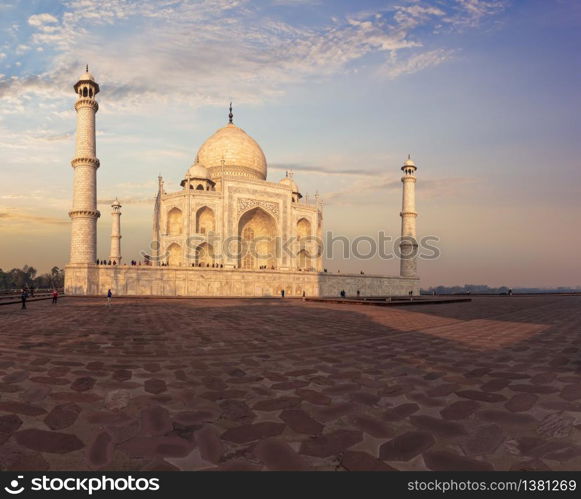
(409, 162)
(240, 153)
(291, 183)
(86, 76)
(198, 171)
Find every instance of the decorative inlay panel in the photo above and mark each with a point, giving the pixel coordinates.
(244, 204)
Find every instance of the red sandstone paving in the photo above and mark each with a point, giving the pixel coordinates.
(275, 385)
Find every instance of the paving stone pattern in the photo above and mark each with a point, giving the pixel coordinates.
(289, 385)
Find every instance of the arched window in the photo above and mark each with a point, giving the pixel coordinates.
(304, 260)
(258, 231)
(85, 92)
(205, 255)
(303, 228)
(200, 187)
(174, 222)
(205, 220)
(91, 93)
(174, 255)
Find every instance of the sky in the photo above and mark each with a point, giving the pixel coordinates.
(484, 94)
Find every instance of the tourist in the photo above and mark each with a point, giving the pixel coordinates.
(23, 297)
(358, 293)
(55, 295)
(282, 293)
(109, 296)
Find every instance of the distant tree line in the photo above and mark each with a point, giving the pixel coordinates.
(27, 277)
(485, 289)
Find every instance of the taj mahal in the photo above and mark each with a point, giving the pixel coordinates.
(229, 231)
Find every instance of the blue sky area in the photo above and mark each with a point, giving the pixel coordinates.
(483, 93)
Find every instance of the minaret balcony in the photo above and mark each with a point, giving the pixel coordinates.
(85, 161)
(84, 213)
(87, 102)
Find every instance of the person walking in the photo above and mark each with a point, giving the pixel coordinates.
(55, 295)
(23, 297)
(282, 293)
(109, 296)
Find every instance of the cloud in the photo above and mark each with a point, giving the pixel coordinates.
(470, 13)
(25, 139)
(26, 218)
(429, 188)
(293, 3)
(394, 69)
(207, 50)
(128, 201)
(319, 170)
(40, 20)
(409, 17)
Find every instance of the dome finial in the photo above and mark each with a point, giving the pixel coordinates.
(230, 116)
(86, 68)
(409, 156)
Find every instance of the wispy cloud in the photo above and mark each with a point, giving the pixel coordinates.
(42, 20)
(396, 68)
(232, 48)
(320, 170)
(429, 188)
(128, 201)
(13, 217)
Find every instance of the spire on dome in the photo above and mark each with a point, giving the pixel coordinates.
(86, 68)
(230, 116)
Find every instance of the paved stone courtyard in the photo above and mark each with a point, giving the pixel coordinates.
(273, 384)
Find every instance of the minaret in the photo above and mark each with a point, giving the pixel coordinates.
(408, 243)
(84, 213)
(115, 256)
(156, 239)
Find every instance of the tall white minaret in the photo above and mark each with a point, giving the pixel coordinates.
(84, 213)
(408, 243)
(115, 255)
(156, 238)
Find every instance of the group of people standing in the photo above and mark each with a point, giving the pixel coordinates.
(24, 294)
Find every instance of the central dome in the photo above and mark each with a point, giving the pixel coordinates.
(241, 154)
